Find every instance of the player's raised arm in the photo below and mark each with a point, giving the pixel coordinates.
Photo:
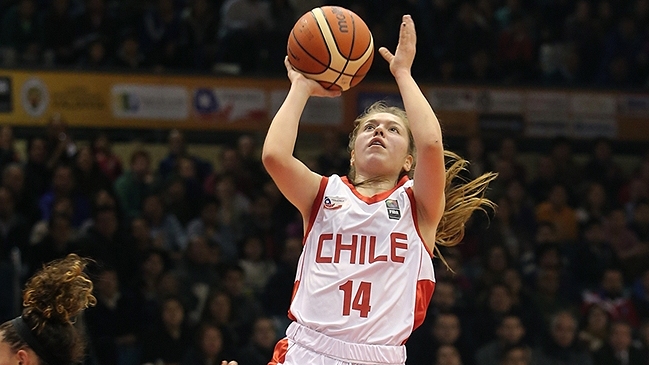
(429, 177)
(296, 181)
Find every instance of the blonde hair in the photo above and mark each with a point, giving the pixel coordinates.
(463, 197)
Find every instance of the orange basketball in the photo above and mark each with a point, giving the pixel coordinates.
(331, 45)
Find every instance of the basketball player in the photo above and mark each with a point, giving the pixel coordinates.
(365, 276)
(44, 333)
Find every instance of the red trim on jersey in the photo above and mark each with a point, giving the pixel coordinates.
(296, 284)
(279, 354)
(315, 207)
(425, 289)
(413, 209)
(377, 197)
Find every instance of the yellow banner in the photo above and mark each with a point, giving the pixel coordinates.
(102, 100)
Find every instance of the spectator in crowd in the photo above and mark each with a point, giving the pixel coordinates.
(8, 153)
(561, 346)
(595, 205)
(517, 355)
(208, 348)
(243, 26)
(510, 332)
(56, 243)
(557, 211)
(171, 339)
(103, 241)
(200, 26)
(619, 349)
(113, 323)
(89, 177)
(21, 34)
(592, 255)
(448, 355)
(641, 294)
(59, 34)
(629, 250)
(261, 345)
(95, 24)
(14, 229)
(61, 148)
(218, 312)
(612, 296)
(248, 154)
(36, 172)
(332, 160)
(258, 268)
(109, 163)
(64, 186)
(166, 229)
(640, 220)
(178, 148)
(596, 329)
(132, 187)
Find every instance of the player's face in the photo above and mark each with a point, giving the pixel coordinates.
(381, 146)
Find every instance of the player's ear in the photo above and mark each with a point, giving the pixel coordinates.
(407, 164)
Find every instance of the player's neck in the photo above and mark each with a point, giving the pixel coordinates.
(370, 186)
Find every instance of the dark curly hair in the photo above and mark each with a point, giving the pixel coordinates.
(51, 299)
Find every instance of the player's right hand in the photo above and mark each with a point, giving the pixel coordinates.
(312, 87)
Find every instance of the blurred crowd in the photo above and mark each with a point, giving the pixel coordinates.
(602, 43)
(195, 262)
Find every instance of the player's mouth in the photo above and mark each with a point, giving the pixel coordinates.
(376, 142)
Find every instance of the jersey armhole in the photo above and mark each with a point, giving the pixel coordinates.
(315, 207)
(413, 209)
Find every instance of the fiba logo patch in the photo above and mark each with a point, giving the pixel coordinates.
(393, 209)
(333, 202)
(34, 97)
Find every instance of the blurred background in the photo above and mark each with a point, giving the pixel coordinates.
(130, 132)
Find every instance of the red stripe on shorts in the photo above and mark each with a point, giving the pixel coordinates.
(279, 354)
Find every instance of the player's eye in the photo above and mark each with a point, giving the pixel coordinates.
(394, 129)
(369, 127)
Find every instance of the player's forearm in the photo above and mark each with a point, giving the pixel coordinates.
(424, 125)
(282, 133)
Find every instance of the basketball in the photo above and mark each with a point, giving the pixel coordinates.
(331, 45)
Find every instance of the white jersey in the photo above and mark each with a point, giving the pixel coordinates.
(365, 275)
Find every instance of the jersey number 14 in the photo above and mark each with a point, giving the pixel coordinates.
(361, 300)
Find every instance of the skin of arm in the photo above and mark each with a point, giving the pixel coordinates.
(294, 179)
(430, 172)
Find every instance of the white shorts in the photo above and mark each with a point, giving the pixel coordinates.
(303, 345)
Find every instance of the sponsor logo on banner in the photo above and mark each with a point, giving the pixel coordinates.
(547, 105)
(592, 104)
(230, 104)
(542, 127)
(6, 105)
(318, 111)
(76, 98)
(500, 124)
(150, 101)
(453, 99)
(594, 126)
(34, 97)
(634, 105)
(500, 102)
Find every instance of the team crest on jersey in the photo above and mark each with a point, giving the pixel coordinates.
(333, 202)
(393, 209)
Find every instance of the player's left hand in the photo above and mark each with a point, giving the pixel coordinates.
(229, 363)
(401, 60)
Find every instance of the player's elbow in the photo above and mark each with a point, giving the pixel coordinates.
(272, 157)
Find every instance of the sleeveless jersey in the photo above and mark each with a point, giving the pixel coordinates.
(365, 274)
